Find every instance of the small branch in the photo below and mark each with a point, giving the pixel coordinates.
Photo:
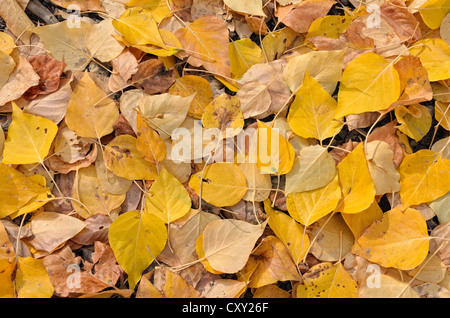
(39, 10)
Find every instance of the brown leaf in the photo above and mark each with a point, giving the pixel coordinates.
(152, 77)
(124, 66)
(49, 71)
(300, 16)
(387, 133)
(96, 230)
(443, 231)
(401, 20)
(123, 127)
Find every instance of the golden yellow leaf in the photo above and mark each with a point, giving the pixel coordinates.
(122, 157)
(359, 222)
(424, 177)
(312, 113)
(138, 27)
(433, 12)
(167, 198)
(149, 143)
(435, 57)
(309, 206)
(271, 291)
(369, 83)
(137, 238)
(7, 288)
(32, 280)
(399, 240)
(327, 281)
(158, 8)
(221, 184)
(90, 113)
(176, 286)
(29, 138)
(275, 155)
(291, 233)
(250, 7)
(224, 114)
(243, 54)
(330, 26)
(188, 85)
(358, 190)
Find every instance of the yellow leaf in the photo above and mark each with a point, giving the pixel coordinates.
(399, 240)
(276, 43)
(7, 288)
(313, 168)
(167, 198)
(250, 7)
(243, 54)
(32, 280)
(227, 243)
(138, 27)
(188, 85)
(387, 287)
(149, 143)
(324, 66)
(273, 263)
(359, 222)
(221, 184)
(137, 238)
(415, 120)
(225, 288)
(424, 177)
(271, 291)
(93, 197)
(123, 158)
(312, 113)
(16, 190)
(201, 256)
(175, 286)
(332, 239)
(90, 113)
(358, 190)
(327, 281)
(309, 206)
(108, 180)
(369, 83)
(8, 66)
(330, 26)
(435, 57)
(172, 45)
(259, 185)
(7, 44)
(433, 12)
(206, 40)
(224, 114)
(442, 114)
(29, 138)
(275, 155)
(381, 167)
(291, 234)
(6, 248)
(158, 8)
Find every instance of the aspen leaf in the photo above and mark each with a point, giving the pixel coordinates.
(7, 288)
(432, 270)
(108, 180)
(243, 54)
(332, 238)
(415, 120)
(358, 190)
(359, 222)
(149, 143)
(224, 113)
(433, 12)
(221, 184)
(424, 177)
(258, 185)
(292, 235)
(275, 155)
(122, 157)
(158, 8)
(442, 113)
(311, 115)
(368, 83)
(309, 206)
(312, 169)
(250, 7)
(434, 55)
(8, 65)
(139, 28)
(273, 263)
(331, 26)
(90, 113)
(32, 280)
(389, 287)
(324, 66)
(399, 240)
(381, 167)
(29, 138)
(227, 243)
(94, 199)
(188, 85)
(167, 198)
(176, 286)
(327, 281)
(137, 238)
(206, 40)
(276, 43)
